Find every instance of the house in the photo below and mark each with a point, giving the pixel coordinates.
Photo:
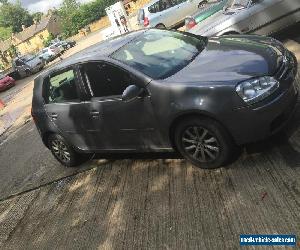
(31, 39)
(5, 53)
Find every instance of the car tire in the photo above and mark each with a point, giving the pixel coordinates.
(64, 152)
(202, 4)
(27, 72)
(204, 142)
(160, 26)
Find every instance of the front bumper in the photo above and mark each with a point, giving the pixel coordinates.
(257, 122)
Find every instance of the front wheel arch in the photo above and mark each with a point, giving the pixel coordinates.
(231, 33)
(190, 115)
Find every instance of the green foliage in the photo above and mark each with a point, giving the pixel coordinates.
(5, 33)
(67, 10)
(75, 16)
(47, 41)
(12, 51)
(37, 16)
(14, 15)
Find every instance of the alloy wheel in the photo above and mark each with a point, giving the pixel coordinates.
(60, 150)
(200, 144)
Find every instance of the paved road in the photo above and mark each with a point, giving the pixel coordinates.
(146, 203)
(157, 204)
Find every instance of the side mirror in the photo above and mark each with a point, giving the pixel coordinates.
(131, 92)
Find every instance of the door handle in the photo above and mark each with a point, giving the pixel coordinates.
(95, 113)
(54, 116)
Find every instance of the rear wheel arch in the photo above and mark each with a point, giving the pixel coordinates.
(202, 3)
(160, 26)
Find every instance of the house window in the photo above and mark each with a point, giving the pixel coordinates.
(41, 37)
(28, 43)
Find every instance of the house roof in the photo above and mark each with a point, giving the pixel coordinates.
(5, 45)
(33, 29)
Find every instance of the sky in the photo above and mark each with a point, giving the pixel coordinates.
(43, 5)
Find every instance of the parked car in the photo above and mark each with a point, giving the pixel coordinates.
(202, 14)
(68, 44)
(47, 54)
(159, 90)
(263, 17)
(57, 47)
(6, 82)
(27, 65)
(167, 13)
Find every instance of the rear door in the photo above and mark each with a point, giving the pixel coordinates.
(64, 107)
(185, 8)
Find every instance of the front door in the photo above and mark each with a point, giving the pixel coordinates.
(115, 124)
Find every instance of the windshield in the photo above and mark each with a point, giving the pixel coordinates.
(237, 4)
(160, 53)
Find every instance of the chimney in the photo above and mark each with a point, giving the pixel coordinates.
(23, 27)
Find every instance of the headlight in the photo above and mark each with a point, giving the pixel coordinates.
(257, 89)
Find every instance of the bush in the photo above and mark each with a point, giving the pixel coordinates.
(47, 41)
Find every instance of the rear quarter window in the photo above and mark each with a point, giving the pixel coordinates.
(141, 14)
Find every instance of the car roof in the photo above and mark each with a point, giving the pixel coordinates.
(98, 51)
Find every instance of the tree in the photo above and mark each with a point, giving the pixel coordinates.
(5, 33)
(14, 15)
(47, 41)
(67, 11)
(37, 16)
(75, 16)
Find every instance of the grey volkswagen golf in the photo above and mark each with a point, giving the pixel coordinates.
(157, 90)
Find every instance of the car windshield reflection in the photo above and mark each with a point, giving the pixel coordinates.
(160, 54)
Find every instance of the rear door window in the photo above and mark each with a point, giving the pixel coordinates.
(61, 87)
(159, 6)
(154, 8)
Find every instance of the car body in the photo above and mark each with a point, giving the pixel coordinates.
(57, 47)
(6, 82)
(166, 13)
(68, 44)
(27, 65)
(48, 54)
(262, 17)
(140, 93)
(202, 14)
